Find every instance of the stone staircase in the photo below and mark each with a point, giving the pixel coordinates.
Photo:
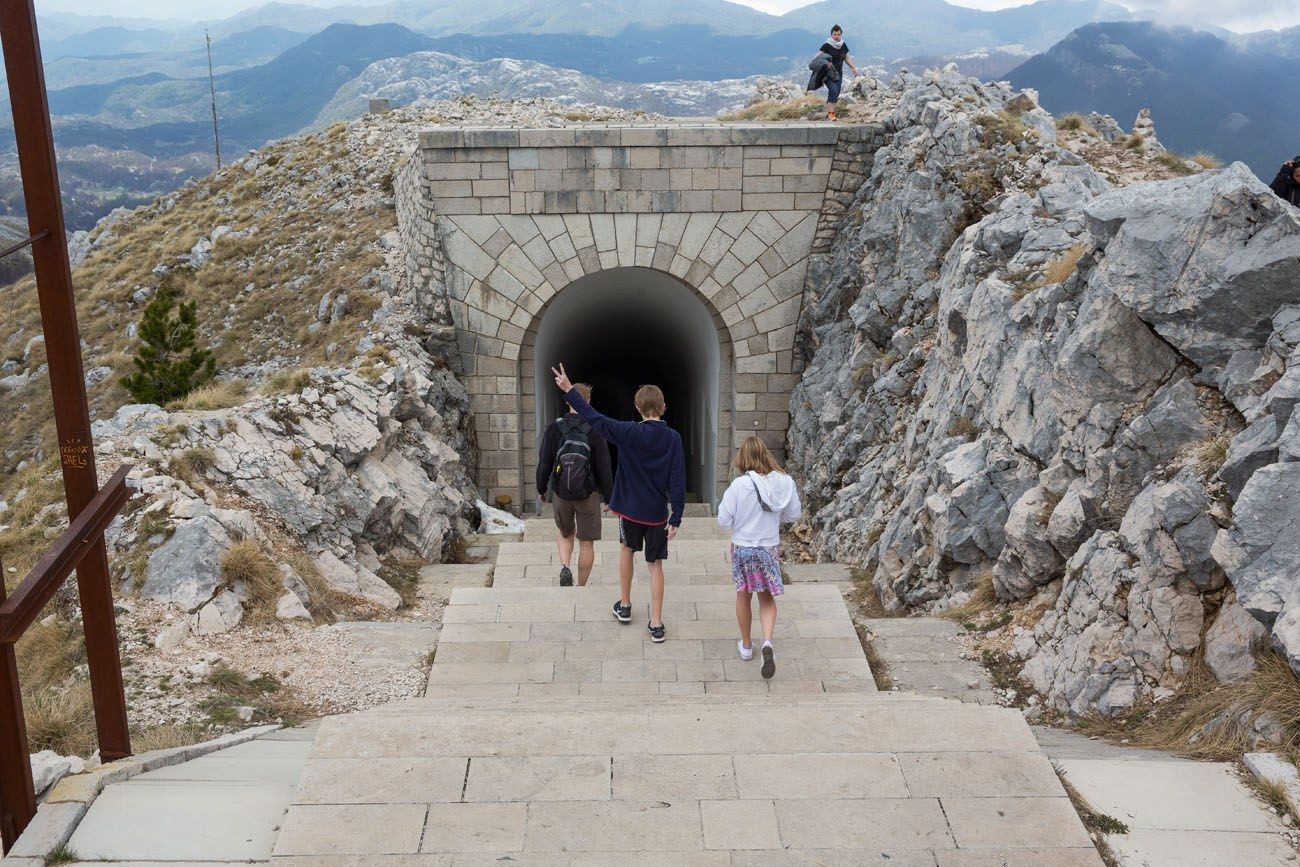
(550, 734)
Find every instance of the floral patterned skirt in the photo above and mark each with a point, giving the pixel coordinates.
(757, 570)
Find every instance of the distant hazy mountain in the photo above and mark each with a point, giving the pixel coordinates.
(1204, 92)
(155, 113)
(1284, 43)
(488, 17)
(187, 58)
(644, 54)
(434, 75)
(884, 29)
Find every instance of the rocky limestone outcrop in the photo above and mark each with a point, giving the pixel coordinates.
(1016, 373)
(358, 464)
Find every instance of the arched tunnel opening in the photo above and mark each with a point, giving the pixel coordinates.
(626, 327)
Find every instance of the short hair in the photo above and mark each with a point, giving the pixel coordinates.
(753, 455)
(837, 27)
(583, 389)
(649, 400)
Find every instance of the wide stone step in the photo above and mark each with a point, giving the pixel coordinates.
(553, 641)
(842, 780)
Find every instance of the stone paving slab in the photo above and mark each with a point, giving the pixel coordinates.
(1148, 848)
(221, 821)
(1170, 796)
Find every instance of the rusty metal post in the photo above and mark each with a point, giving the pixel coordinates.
(34, 136)
(17, 792)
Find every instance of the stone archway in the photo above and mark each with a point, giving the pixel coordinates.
(503, 271)
(621, 328)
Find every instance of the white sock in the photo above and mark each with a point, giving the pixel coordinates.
(767, 644)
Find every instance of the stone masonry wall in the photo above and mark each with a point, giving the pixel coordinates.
(518, 214)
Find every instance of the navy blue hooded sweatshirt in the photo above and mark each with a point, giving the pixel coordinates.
(651, 466)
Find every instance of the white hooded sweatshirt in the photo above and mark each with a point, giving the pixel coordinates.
(740, 511)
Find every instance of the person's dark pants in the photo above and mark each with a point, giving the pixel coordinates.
(833, 91)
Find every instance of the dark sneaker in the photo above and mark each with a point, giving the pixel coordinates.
(769, 662)
(656, 632)
(566, 577)
(623, 612)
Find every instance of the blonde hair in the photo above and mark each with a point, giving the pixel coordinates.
(754, 455)
(583, 389)
(649, 401)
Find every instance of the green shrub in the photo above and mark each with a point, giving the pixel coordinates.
(169, 364)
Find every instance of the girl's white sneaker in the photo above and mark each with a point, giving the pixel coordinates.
(746, 653)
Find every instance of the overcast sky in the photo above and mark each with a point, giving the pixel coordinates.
(1243, 15)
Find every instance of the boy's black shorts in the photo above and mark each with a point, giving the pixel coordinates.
(652, 537)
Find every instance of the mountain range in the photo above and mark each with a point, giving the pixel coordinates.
(131, 106)
(1206, 93)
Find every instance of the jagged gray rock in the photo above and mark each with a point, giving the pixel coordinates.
(1036, 393)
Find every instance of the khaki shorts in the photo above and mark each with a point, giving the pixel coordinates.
(582, 515)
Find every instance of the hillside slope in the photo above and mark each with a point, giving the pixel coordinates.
(1206, 93)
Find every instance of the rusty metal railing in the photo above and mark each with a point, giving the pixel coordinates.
(17, 612)
(90, 509)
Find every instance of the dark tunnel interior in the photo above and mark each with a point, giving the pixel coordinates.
(621, 329)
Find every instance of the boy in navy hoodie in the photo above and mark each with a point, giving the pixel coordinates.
(649, 490)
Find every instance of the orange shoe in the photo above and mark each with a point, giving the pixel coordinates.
(830, 115)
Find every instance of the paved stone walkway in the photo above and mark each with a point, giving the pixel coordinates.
(1180, 813)
(553, 735)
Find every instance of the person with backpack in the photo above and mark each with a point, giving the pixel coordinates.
(573, 469)
(649, 491)
(754, 507)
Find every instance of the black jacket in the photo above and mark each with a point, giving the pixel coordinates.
(600, 464)
(823, 70)
(1284, 184)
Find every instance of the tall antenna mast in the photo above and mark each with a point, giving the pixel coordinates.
(212, 86)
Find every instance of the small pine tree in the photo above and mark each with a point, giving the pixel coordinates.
(168, 364)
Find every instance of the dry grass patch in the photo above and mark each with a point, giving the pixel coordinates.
(1065, 267)
(1211, 455)
(287, 382)
(246, 561)
(322, 601)
(167, 737)
(270, 700)
(191, 464)
(62, 720)
(1176, 164)
(772, 110)
(1002, 128)
(403, 575)
(1213, 720)
(1206, 160)
(1075, 122)
(983, 596)
(214, 395)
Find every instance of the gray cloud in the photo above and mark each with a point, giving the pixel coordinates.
(1233, 14)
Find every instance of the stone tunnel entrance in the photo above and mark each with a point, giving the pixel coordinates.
(669, 253)
(623, 328)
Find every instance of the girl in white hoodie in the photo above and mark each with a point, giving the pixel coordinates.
(753, 508)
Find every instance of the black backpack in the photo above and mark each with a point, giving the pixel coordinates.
(572, 477)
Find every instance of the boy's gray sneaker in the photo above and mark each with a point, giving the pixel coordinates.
(656, 632)
(622, 612)
(566, 577)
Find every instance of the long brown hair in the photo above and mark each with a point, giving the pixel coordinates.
(753, 455)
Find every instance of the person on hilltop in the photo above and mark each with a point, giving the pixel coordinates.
(649, 490)
(828, 69)
(573, 471)
(1287, 182)
(755, 505)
